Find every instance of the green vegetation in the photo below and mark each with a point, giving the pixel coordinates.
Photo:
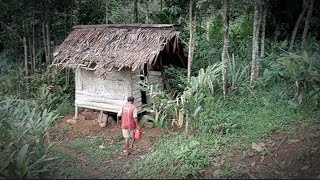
(65, 168)
(23, 128)
(33, 95)
(178, 157)
(90, 147)
(240, 119)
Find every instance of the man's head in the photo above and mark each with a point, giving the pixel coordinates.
(131, 99)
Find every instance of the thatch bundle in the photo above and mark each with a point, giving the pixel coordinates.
(103, 47)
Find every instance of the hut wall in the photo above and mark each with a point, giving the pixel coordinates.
(108, 94)
(155, 79)
(136, 92)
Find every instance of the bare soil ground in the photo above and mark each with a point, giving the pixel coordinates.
(88, 126)
(294, 153)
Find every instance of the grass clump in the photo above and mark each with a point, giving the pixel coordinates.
(178, 157)
(64, 168)
(90, 147)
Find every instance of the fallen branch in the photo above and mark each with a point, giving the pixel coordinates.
(275, 154)
(252, 176)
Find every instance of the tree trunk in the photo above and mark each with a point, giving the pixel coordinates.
(33, 45)
(161, 5)
(255, 44)
(207, 30)
(135, 9)
(147, 11)
(225, 55)
(294, 32)
(306, 25)
(191, 41)
(45, 42)
(106, 11)
(48, 44)
(190, 54)
(263, 30)
(25, 47)
(65, 21)
(29, 44)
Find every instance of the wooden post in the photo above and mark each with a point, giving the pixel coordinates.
(76, 114)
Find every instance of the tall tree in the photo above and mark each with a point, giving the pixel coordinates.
(106, 11)
(25, 48)
(225, 54)
(135, 10)
(263, 29)
(191, 49)
(306, 25)
(191, 39)
(147, 11)
(255, 43)
(294, 32)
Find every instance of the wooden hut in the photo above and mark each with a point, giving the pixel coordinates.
(108, 59)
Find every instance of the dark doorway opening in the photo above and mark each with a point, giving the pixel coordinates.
(143, 76)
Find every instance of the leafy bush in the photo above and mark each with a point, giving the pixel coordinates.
(176, 78)
(165, 106)
(48, 90)
(301, 71)
(23, 128)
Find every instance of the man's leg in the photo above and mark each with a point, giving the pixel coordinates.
(126, 135)
(131, 138)
(126, 142)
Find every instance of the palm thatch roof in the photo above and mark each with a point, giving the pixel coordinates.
(103, 47)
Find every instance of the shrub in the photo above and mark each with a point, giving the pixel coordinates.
(23, 128)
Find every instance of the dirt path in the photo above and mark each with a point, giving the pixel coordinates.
(82, 159)
(117, 165)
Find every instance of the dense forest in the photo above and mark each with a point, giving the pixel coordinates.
(253, 68)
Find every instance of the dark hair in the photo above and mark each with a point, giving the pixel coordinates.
(130, 99)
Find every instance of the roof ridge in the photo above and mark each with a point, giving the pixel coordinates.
(134, 25)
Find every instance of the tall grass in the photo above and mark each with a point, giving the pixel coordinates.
(28, 106)
(178, 157)
(22, 129)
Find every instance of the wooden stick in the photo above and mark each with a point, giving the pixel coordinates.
(275, 152)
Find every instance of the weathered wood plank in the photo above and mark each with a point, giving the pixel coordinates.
(100, 100)
(98, 106)
(78, 83)
(102, 95)
(154, 73)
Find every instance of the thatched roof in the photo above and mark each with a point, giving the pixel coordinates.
(103, 47)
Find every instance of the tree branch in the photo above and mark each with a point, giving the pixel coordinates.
(8, 27)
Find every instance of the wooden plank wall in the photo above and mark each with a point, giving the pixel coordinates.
(108, 94)
(155, 79)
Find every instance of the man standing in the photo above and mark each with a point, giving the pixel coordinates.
(129, 123)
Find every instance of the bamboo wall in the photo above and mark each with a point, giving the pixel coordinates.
(110, 93)
(107, 94)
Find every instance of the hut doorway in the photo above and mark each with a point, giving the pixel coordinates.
(143, 78)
